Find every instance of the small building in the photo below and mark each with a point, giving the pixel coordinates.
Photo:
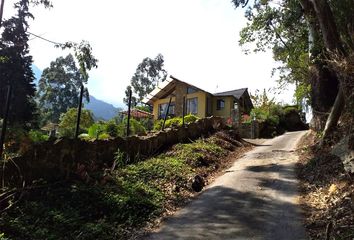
(230, 104)
(138, 114)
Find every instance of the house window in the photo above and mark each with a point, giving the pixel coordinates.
(163, 108)
(191, 90)
(192, 105)
(220, 104)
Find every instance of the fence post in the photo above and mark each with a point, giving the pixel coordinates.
(129, 107)
(166, 113)
(79, 112)
(4, 124)
(183, 110)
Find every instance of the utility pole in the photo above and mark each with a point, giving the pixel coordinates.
(79, 112)
(1, 11)
(4, 124)
(129, 107)
(166, 113)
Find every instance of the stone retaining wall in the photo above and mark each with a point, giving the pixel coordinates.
(63, 158)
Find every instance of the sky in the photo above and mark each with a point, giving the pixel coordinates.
(198, 39)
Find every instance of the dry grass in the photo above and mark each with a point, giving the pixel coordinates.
(327, 193)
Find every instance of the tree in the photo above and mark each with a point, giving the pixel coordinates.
(67, 122)
(148, 74)
(15, 67)
(287, 26)
(59, 88)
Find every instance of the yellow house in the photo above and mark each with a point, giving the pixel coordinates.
(196, 101)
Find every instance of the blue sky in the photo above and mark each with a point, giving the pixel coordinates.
(198, 38)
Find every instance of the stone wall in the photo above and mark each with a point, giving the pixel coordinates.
(64, 158)
(249, 130)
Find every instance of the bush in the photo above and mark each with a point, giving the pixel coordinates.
(190, 118)
(95, 130)
(158, 124)
(67, 123)
(112, 129)
(104, 136)
(176, 121)
(37, 136)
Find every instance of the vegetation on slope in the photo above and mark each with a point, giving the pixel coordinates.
(122, 202)
(327, 193)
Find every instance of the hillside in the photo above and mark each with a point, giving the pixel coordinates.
(101, 109)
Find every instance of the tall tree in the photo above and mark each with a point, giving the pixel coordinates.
(15, 66)
(294, 28)
(148, 74)
(59, 88)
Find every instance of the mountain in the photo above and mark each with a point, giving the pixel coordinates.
(101, 109)
(37, 73)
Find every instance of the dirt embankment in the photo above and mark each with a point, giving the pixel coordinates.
(327, 192)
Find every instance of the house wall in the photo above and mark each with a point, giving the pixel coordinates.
(226, 111)
(157, 103)
(201, 102)
(180, 92)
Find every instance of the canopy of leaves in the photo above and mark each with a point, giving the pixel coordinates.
(15, 66)
(67, 122)
(148, 74)
(59, 88)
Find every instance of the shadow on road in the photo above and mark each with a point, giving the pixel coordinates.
(237, 215)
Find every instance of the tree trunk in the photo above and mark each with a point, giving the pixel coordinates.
(333, 44)
(324, 82)
(334, 115)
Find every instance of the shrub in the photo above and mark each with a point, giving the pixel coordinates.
(173, 122)
(104, 136)
(95, 130)
(37, 136)
(68, 122)
(190, 118)
(137, 127)
(112, 129)
(176, 121)
(158, 124)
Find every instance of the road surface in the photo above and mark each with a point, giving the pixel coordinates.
(255, 199)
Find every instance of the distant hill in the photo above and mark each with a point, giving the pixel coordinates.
(101, 109)
(37, 73)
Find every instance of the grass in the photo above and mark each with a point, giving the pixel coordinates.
(118, 204)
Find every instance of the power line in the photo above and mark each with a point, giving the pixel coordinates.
(45, 39)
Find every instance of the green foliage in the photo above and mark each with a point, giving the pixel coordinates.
(136, 193)
(190, 118)
(144, 108)
(104, 136)
(148, 73)
(136, 127)
(67, 122)
(37, 136)
(59, 88)
(112, 129)
(174, 122)
(158, 124)
(15, 67)
(95, 130)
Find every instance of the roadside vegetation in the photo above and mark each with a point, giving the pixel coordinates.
(122, 202)
(275, 118)
(327, 192)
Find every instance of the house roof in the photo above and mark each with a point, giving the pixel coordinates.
(137, 113)
(164, 89)
(237, 93)
(167, 87)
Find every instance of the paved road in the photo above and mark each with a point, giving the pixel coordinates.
(255, 199)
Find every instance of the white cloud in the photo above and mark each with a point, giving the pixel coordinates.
(198, 38)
